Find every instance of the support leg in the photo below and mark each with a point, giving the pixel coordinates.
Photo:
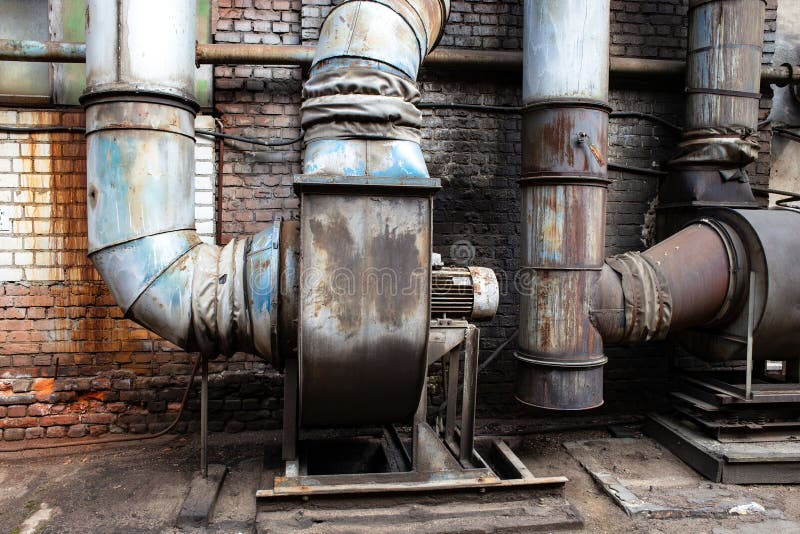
(471, 353)
(452, 395)
(290, 381)
(204, 416)
(419, 417)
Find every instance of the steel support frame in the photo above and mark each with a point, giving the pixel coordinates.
(439, 462)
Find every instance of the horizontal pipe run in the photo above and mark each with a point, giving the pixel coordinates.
(56, 51)
(259, 54)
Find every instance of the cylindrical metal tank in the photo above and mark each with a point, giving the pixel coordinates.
(564, 181)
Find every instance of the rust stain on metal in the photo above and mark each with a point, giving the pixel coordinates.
(339, 255)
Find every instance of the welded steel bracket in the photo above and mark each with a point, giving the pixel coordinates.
(449, 460)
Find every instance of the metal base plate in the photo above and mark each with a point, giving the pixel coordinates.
(492, 491)
(776, 462)
(513, 511)
(437, 470)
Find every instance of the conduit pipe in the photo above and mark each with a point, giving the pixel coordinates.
(366, 201)
(476, 60)
(564, 185)
(140, 111)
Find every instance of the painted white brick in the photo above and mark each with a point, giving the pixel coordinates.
(6, 258)
(41, 227)
(9, 180)
(23, 196)
(40, 274)
(203, 183)
(5, 165)
(203, 198)
(8, 117)
(10, 274)
(204, 212)
(9, 150)
(42, 165)
(204, 153)
(37, 211)
(21, 165)
(204, 167)
(205, 227)
(44, 259)
(22, 227)
(23, 258)
(38, 149)
(35, 181)
(10, 243)
(36, 243)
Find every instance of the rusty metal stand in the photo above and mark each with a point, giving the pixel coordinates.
(437, 462)
(735, 429)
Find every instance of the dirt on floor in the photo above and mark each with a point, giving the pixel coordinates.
(140, 487)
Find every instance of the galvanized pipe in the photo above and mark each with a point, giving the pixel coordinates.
(55, 51)
(140, 180)
(366, 201)
(564, 185)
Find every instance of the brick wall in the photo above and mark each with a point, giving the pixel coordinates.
(114, 376)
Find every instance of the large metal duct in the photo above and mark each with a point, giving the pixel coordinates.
(366, 201)
(695, 284)
(140, 112)
(564, 183)
(723, 79)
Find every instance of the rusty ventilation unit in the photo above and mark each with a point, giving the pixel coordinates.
(344, 297)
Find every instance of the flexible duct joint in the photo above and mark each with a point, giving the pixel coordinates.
(140, 113)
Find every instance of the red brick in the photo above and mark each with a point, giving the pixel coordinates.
(17, 411)
(36, 410)
(64, 419)
(56, 432)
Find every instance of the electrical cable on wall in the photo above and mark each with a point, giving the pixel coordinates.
(207, 133)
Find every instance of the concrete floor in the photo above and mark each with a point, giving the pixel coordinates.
(140, 488)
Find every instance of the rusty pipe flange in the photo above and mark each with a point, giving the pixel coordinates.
(738, 267)
(543, 381)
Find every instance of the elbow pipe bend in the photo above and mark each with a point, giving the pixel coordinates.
(140, 114)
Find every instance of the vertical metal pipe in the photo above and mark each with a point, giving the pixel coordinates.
(564, 181)
(723, 89)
